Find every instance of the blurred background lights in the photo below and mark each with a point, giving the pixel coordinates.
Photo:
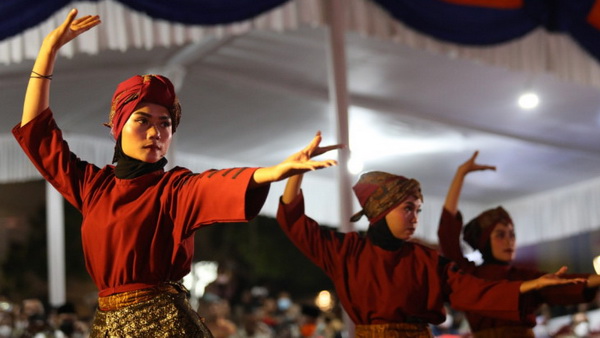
(324, 301)
(373, 139)
(355, 165)
(597, 264)
(201, 274)
(529, 100)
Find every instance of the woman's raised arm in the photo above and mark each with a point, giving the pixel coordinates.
(453, 196)
(37, 96)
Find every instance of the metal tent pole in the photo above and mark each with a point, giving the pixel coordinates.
(338, 94)
(55, 226)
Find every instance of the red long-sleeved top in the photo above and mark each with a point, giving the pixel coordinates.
(411, 284)
(137, 232)
(449, 236)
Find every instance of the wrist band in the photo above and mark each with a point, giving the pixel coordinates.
(40, 76)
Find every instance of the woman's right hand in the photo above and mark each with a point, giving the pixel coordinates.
(69, 30)
(470, 165)
(550, 279)
(451, 202)
(37, 96)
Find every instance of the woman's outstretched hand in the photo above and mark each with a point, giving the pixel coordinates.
(297, 163)
(70, 29)
(470, 165)
(550, 279)
(303, 157)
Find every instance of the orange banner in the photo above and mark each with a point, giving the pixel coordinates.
(500, 4)
(593, 17)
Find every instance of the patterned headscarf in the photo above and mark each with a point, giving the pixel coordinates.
(379, 192)
(477, 232)
(148, 88)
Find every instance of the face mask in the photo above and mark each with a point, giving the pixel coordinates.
(284, 303)
(582, 329)
(222, 279)
(67, 327)
(5, 331)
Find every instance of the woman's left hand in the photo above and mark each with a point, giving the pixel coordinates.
(297, 163)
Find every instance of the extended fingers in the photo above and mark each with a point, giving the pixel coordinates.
(322, 150)
(474, 156)
(475, 166)
(314, 165)
(70, 17)
(561, 271)
(485, 167)
(314, 143)
(569, 281)
(86, 22)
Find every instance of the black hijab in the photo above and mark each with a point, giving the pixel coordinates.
(128, 167)
(380, 234)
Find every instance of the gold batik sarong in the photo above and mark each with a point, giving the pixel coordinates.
(157, 312)
(505, 331)
(393, 330)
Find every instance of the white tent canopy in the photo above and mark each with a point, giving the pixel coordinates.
(256, 91)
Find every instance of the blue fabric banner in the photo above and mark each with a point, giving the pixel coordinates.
(471, 25)
(479, 22)
(468, 22)
(19, 15)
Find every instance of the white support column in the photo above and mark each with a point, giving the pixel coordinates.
(55, 228)
(338, 93)
(338, 96)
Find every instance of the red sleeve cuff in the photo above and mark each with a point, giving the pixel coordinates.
(294, 210)
(42, 119)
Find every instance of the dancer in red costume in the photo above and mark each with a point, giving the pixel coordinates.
(388, 285)
(138, 219)
(493, 234)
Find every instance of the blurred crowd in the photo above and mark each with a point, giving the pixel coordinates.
(260, 313)
(256, 314)
(31, 318)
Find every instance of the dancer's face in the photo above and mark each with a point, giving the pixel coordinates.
(146, 136)
(502, 240)
(403, 219)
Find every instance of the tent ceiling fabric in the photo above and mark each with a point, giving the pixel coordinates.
(535, 53)
(255, 92)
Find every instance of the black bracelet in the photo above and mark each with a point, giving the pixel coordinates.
(40, 76)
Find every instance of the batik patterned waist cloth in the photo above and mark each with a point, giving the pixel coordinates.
(394, 330)
(505, 331)
(160, 311)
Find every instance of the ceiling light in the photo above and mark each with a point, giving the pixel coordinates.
(355, 166)
(324, 300)
(528, 100)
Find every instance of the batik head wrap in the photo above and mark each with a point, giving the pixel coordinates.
(148, 88)
(379, 192)
(477, 232)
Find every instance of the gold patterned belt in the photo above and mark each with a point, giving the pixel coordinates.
(123, 299)
(505, 331)
(393, 330)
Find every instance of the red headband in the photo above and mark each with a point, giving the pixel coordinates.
(477, 232)
(149, 88)
(379, 192)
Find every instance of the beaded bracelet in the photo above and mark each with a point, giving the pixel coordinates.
(40, 76)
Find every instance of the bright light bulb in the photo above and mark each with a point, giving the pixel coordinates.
(597, 264)
(355, 166)
(529, 100)
(324, 300)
